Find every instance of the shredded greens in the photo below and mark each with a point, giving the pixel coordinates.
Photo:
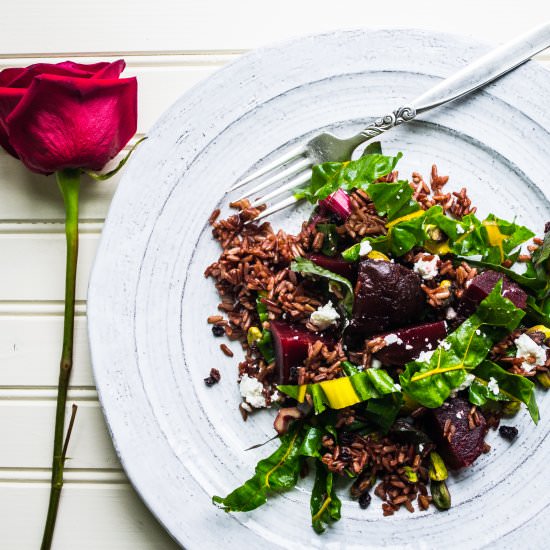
(307, 267)
(356, 174)
(430, 382)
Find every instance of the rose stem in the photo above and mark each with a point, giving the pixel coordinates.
(69, 184)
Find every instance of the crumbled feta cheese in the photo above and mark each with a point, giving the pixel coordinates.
(421, 447)
(528, 349)
(450, 314)
(397, 387)
(460, 415)
(425, 356)
(392, 339)
(375, 363)
(478, 332)
(408, 346)
(493, 386)
(252, 392)
(467, 382)
(459, 229)
(364, 248)
(445, 345)
(324, 316)
(427, 269)
(465, 385)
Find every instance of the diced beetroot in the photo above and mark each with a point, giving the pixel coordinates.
(338, 203)
(465, 445)
(290, 343)
(386, 295)
(336, 265)
(481, 287)
(407, 343)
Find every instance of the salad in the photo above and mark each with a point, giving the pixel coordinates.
(389, 335)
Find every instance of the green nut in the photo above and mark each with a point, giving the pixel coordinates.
(440, 495)
(437, 469)
(544, 379)
(253, 335)
(411, 474)
(511, 408)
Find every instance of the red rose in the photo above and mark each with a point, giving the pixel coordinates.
(66, 115)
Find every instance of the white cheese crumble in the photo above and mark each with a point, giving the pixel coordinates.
(364, 248)
(445, 345)
(252, 391)
(528, 349)
(450, 314)
(460, 415)
(465, 385)
(375, 363)
(408, 346)
(397, 387)
(493, 385)
(425, 356)
(459, 229)
(324, 316)
(392, 339)
(427, 269)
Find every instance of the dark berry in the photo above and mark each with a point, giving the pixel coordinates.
(218, 330)
(214, 377)
(508, 432)
(345, 454)
(364, 500)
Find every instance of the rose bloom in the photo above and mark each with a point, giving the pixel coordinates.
(66, 115)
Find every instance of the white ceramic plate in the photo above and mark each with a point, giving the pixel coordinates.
(181, 442)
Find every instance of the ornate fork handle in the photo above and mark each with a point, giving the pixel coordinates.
(380, 125)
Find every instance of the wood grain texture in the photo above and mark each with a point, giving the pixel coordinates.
(211, 25)
(91, 517)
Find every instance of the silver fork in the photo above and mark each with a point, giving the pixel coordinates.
(297, 163)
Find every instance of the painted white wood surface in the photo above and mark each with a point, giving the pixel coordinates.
(169, 46)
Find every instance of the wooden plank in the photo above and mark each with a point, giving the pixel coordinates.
(210, 25)
(30, 347)
(33, 266)
(91, 517)
(26, 431)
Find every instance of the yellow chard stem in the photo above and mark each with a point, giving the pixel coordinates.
(69, 184)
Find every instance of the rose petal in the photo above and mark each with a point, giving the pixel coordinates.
(7, 76)
(73, 122)
(9, 98)
(102, 69)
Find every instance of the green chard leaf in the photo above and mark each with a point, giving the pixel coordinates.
(307, 267)
(325, 505)
(542, 254)
(369, 385)
(328, 177)
(493, 239)
(431, 382)
(509, 387)
(278, 472)
(330, 242)
(538, 312)
(393, 200)
(384, 410)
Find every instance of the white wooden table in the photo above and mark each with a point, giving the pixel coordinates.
(169, 46)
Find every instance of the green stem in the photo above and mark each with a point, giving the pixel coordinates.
(69, 184)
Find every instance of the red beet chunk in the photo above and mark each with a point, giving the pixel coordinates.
(410, 342)
(386, 295)
(336, 265)
(465, 445)
(290, 343)
(481, 286)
